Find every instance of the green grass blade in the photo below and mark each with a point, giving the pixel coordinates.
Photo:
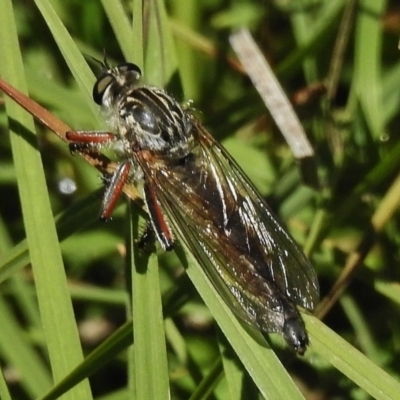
(137, 32)
(76, 62)
(316, 41)
(368, 48)
(160, 58)
(150, 368)
(233, 369)
(76, 217)
(107, 351)
(209, 382)
(4, 393)
(121, 27)
(355, 365)
(20, 353)
(55, 305)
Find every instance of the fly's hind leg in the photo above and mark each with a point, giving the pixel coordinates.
(157, 222)
(114, 186)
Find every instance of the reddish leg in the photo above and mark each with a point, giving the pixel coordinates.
(157, 220)
(83, 140)
(114, 189)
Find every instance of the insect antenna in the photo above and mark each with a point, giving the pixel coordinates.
(104, 65)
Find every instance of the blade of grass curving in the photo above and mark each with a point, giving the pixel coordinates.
(177, 343)
(24, 293)
(55, 305)
(14, 259)
(347, 359)
(137, 27)
(107, 351)
(339, 51)
(21, 351)
(234, 371)
(209, 382)
(78, 216)
(100, 295)
(175, 340)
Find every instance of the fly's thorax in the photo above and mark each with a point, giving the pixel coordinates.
(152, 120)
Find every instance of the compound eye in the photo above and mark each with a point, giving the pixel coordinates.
(100, 87)
(123, 74)
(129, 67)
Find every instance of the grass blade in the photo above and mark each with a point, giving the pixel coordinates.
(55, 305)
(150, 367)
(355, 365)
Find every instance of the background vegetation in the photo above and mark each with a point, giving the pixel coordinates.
(70, 285)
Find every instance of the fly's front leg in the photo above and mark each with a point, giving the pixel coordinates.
(86, 140)
(157, 220)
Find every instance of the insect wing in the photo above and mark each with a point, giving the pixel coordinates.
(247, 255)
(285, 263)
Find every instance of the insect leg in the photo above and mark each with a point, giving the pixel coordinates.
(114, 189)
(157, 220)
(84, 140)
(147, 237)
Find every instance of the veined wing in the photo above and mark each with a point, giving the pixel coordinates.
(255, 265)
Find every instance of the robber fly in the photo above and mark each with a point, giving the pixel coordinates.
(193, 189)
